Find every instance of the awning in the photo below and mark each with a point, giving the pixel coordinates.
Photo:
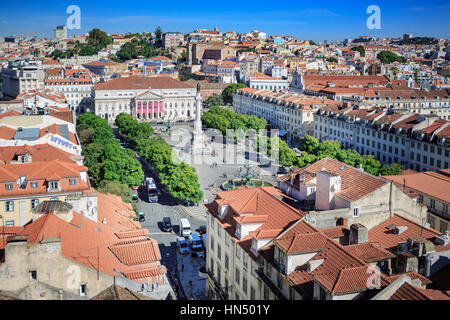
(282, 133)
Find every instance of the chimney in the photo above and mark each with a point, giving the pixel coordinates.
(327, 185)
(358, 234)
(400, 229)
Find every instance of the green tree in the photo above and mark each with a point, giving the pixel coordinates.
(86, 135)
(392, 170)
(333, 59)
(158, 36)
(388, 57)
(229, 91)
(361, 51)
(214, 100)
(98, 39)
(182, 57)
(309, 144)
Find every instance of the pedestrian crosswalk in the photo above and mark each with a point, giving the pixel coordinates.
(196, 211)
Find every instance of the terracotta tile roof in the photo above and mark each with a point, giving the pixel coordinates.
(135, 82)
(132, 234)
(413, 275)
(96, 245)
(133, 252)
(369, 252)
(389, 239)
(10, 113)
(40, 152)
(410, 292)
(119, 293)
(355, 184)
(341, 272)
(344, 81)
(7, 133)
(42, 172)
(302, 243)
(247, 202)
(430, 183)
(334, 232)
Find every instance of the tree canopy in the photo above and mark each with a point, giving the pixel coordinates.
(332, 59)
(229, 91)
(387, 57)
(104, 156)
(223, 119)
(360, 49)
(179, 178)
(214, 100)
(135, 48)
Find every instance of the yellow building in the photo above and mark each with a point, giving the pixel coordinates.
(25, 183)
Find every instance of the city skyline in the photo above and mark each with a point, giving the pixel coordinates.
(328, 21)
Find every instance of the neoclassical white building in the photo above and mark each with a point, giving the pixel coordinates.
(292, 113)
(146, 99)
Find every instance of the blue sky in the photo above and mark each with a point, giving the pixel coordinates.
(316, 20)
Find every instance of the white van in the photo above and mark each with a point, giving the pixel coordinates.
(185, 227)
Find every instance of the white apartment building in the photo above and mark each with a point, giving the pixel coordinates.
(76, 90)
(264, 82)
(21, 76)
(419, 143)
(248, 66)
(146, 98)
(231, 254)
(434, 102)
(292, 113)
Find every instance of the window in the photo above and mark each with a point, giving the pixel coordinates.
(219, 252)
(53, 185)
(237, 253)
(266, 293)
(34, 184)
(212, 243)
(83, 289)
(9, 186)
(9, 223)
(432, 204)
(33, 275)
(227, 261)
(73, 181)
(211, 267)
(244, 284)
(218, 275)
(356, 212)
(238, 276)
(34, 203)
(9, 206)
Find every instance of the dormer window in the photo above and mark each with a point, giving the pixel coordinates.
(34, 184)
(9, 186)
(73, 181)
(53, 186)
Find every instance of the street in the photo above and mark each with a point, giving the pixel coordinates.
(185, 267)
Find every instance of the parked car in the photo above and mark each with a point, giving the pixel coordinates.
(167, 224)
(201, 230)
(195, 242)
(185, 227)
(135, 196)
(182, 245)
(141, 216)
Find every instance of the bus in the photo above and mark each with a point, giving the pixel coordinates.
(152, 191)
